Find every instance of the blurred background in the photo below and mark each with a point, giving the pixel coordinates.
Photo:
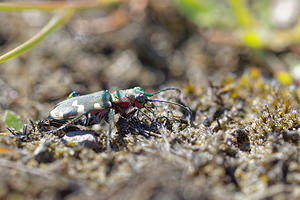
(152, 44)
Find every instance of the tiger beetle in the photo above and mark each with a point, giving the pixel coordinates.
(103, 105)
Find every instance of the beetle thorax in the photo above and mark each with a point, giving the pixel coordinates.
(136, 97)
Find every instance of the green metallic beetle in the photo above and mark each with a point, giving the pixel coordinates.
(103, 104)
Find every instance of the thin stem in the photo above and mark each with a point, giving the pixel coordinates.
(241, 12)
(50, 5)
(57, 21)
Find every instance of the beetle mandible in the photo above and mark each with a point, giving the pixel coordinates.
(103, 104)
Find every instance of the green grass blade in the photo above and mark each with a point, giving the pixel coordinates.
(57, 21)
(53, 5)
(241, 12)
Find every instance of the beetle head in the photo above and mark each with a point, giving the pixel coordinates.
(136, 96)
(140, 100)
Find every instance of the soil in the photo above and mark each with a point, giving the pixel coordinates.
(241, 141)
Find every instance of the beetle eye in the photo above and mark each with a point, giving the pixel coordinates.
(140, 99)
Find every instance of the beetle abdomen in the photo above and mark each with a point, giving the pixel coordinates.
(82, 104)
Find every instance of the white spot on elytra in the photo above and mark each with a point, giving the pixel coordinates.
(56, 115)
(97, 106)
(53, 114)
(61, 115)
(80, 108)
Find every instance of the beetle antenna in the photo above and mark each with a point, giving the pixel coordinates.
(163, 90)
(177, 104)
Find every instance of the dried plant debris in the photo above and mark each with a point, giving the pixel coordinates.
(243, 142)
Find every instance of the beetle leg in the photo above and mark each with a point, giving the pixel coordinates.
(140, 111)
(149, 110)
(90, 120)
(110, 119)
(65, 125)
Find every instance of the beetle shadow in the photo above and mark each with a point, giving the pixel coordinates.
(134, 127)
